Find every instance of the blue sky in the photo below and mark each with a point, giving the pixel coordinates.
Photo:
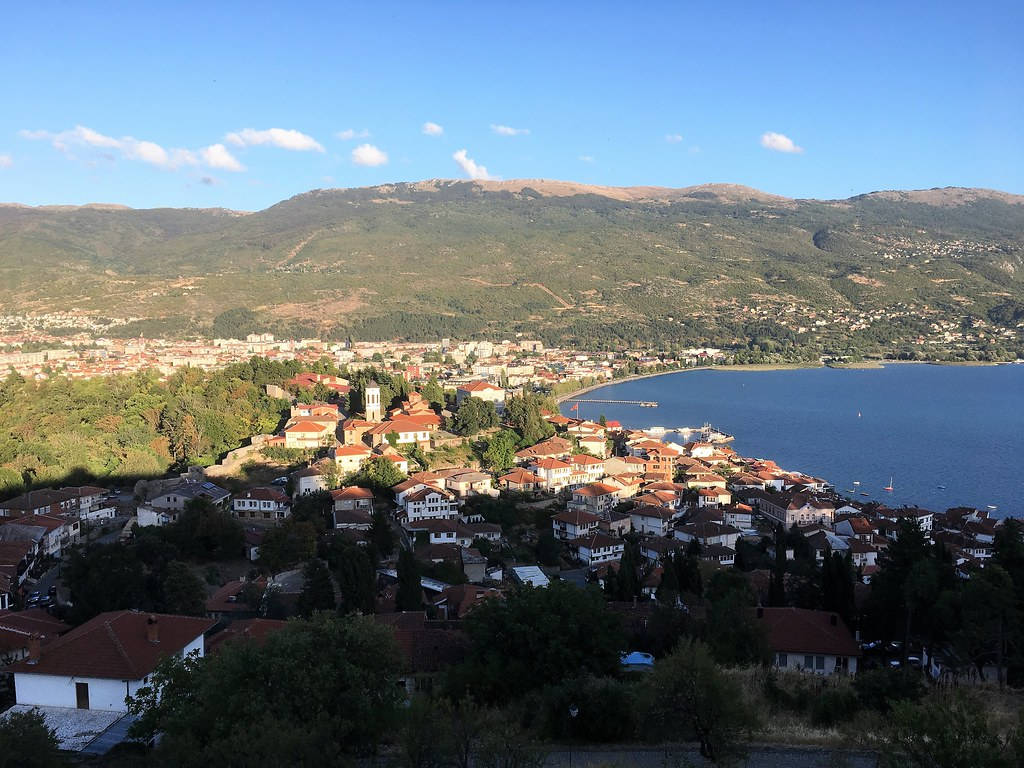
(148, 106)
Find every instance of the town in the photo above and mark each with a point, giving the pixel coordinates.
(422, 499)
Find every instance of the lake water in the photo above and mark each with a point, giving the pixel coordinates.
(925, 426)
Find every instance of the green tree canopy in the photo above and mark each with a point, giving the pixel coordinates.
(317, 692)
(537, 637)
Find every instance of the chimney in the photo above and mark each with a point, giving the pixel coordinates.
(833, 620)
(35, 644)
(152, 630)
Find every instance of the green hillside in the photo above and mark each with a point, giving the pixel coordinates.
(718, 264)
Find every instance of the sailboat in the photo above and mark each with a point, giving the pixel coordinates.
(889, 486)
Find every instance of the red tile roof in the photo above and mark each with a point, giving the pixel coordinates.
(114, 646)
(799, 630)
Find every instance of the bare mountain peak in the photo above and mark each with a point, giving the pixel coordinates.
(943, 197)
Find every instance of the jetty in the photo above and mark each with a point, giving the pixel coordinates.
(641, 403)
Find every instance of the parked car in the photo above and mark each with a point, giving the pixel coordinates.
(279, 481)
(34, 598)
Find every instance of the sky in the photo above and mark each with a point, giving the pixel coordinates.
(241, 105)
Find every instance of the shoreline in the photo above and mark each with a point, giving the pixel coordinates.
(866, 365)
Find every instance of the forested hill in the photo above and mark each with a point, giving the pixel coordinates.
(715, 263)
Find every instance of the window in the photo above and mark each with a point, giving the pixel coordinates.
(783, 659)
(819, 663)
(808, 662)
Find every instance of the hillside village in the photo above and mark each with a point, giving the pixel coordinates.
(446, 499)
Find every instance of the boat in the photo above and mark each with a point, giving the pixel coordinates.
(889, 486)
(856, 482)
(862, 493)
(992, 507)
(941, 487)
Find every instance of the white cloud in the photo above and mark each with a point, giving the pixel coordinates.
(779, 143)
(470, 167)
(673, 138)
(505, 130)
(6, 161)
(367, 154)
(282, 138)
(586, 158)
(432, 129)
(218, 156)
(130, 148)
(351, 133)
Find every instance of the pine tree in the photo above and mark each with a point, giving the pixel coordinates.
(317, 589)
(381, 535)
(410, 592)
(356, 580)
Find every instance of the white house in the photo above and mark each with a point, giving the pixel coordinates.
(308, 435)
(574, 524)
(596, 498)
(98, 664)
(262, 504)
(483, 390)
(599, 548)
(350, 458)
(811, 641)
(648, 518)
(308, 480)
(174, 498)
(554, 473)
(429, 502)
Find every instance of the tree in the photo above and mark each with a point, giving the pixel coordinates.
(317, 589)
(205, 532)
(382, 536)
(356, 579)
(536, 637)
(501, 450)
(837, 587)
(314, 508)
(410, 592)
(289, 543)
(184, 592)
(989, 615)
(523, 414)
(283, 702)
(473, 416)
(950, 730)
(688, 686)
(433, 393)
(26, 741)
(105, 577)
(734, 635)
(378, 473)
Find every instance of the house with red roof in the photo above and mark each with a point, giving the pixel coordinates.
(19, 629)
(596, 498)
(308, 435)
(262, 504)
(521, 480)
(807, 640)
(350, 458)
(100, 663)
(484, 390)
(599, 548)
(555, 474)
(574, 524)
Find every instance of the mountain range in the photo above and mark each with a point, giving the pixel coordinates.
(714, 263)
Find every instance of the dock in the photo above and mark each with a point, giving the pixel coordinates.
(641, 403)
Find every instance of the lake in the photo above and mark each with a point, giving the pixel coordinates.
(946, 435)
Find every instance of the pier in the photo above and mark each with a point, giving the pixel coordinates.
(641, 403)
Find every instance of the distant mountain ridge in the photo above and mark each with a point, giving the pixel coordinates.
(937, 196)
(717, 263)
